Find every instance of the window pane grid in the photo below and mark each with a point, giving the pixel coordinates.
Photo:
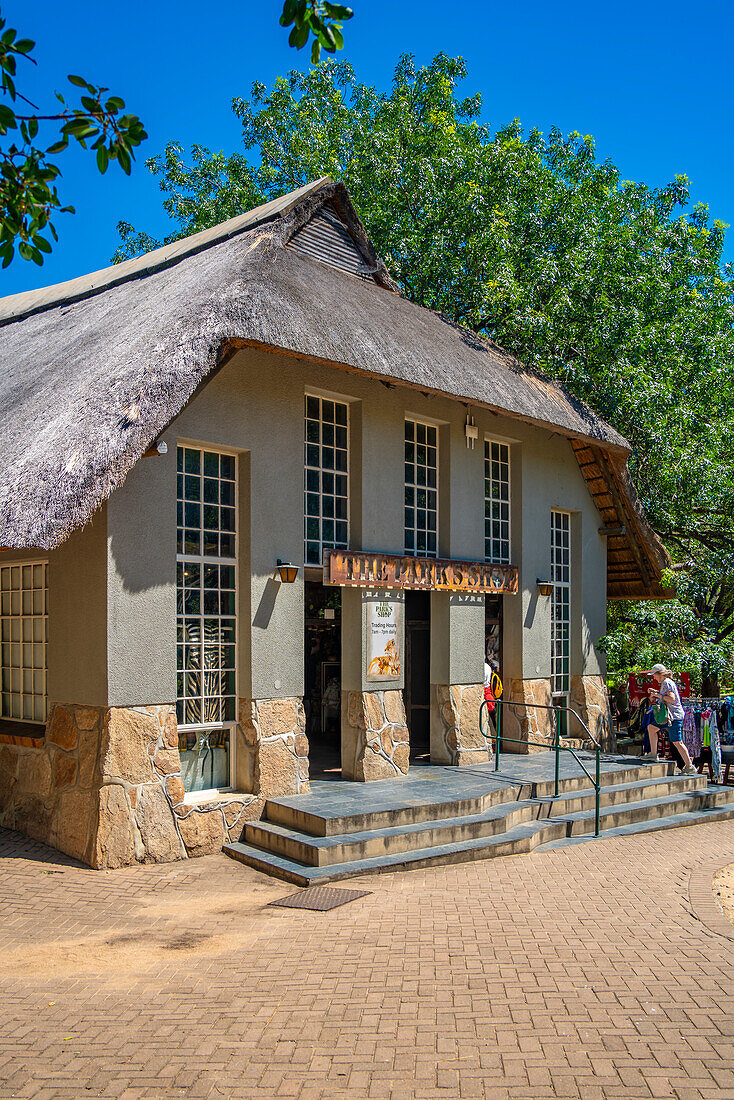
(206, 622)
(23, 641)
(326, 478)
(421, 489)
(496, 502)
(560, 602)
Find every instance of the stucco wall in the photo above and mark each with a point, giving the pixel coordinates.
(141, 585)
(77, 597)
(551, 479)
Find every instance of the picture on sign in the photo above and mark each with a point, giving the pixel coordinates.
(383, 641)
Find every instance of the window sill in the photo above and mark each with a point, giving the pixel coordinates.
(197, 798)
(26, 734)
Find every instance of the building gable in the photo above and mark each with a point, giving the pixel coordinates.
(326, 238)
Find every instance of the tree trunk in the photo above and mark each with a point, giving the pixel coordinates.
(709, 684)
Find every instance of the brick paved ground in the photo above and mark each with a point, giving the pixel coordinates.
(580, 972)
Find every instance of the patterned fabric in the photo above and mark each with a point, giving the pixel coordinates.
(715, 748)
(691, 734)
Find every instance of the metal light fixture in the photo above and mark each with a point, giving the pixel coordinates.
(545, 587)
(288, 572)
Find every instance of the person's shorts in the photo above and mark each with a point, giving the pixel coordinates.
(676, 730)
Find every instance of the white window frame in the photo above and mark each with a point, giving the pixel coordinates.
(492, 557)
(561, 584)
(415, 552)
(22, 617)
(329, 544)
(210, 559)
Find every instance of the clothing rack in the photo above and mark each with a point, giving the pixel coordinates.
(713, 759)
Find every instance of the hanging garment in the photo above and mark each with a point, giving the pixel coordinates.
(706, 728)
(691, 735)
(715, 748)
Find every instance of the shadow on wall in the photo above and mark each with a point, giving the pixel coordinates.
(532, 608)
(266, 606)
(141, 526)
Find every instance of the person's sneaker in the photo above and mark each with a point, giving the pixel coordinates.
(689, 770)
(649, 758)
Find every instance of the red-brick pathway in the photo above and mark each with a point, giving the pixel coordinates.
(580, 972)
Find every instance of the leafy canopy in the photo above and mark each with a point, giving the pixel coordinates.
(319, 18)
(614, 288)
(28, 194)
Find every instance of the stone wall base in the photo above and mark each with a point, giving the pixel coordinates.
(272, 747)
(456, 738)
(104, 786)
(523, 721)
(375, 740)
(589, 697)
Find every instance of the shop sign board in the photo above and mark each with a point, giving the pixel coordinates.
(384, 640)
(362, 570)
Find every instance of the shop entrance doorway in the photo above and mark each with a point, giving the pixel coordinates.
(493, 632)
(323, 679)
(418, 674)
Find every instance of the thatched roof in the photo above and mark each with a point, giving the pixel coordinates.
(93, 370)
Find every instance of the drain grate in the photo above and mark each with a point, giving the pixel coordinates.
(319, 898)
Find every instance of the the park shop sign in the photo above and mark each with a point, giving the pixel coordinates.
(361, 570)
(384, 634)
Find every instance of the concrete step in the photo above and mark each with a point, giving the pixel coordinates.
(631, 774)
(624, 793)
(373, 842)
(315, 817)
(346, 847)
(522, 838)
(542, 834)
(701, 816)
(612, 817)
(504, 829)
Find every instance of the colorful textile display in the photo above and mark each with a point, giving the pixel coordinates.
(691, 733)
(715, 748)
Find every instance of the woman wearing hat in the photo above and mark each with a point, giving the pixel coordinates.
(667, 692)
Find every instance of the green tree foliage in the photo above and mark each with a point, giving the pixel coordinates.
(614, 288)
(319, 18)
(28, 194)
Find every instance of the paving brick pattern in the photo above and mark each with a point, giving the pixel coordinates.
(581, 972)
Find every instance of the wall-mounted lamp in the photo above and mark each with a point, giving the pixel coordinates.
(471, 431)
(288, 572)
(545, 587)
(159, 448)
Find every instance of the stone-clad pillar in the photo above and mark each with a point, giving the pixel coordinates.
(455, 734)
(457, 678)
(375, 741)
(374, 733)
(590, 699)
(523, 721)
(272, 747)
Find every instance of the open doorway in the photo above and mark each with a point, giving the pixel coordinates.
(418, 674)
(323, 679)
(493, 632)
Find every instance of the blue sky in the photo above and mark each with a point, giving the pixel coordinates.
(649, 80)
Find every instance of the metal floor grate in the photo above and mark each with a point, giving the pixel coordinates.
(319, 898)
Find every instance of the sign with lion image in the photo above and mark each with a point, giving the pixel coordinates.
(383, 640)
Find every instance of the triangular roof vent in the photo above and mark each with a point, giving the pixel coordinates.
(325, 237)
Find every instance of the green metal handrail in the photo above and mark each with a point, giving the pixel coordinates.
(558, 748)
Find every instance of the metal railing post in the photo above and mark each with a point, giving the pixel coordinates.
(558, 753)
(597, 822)
(498, 736)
